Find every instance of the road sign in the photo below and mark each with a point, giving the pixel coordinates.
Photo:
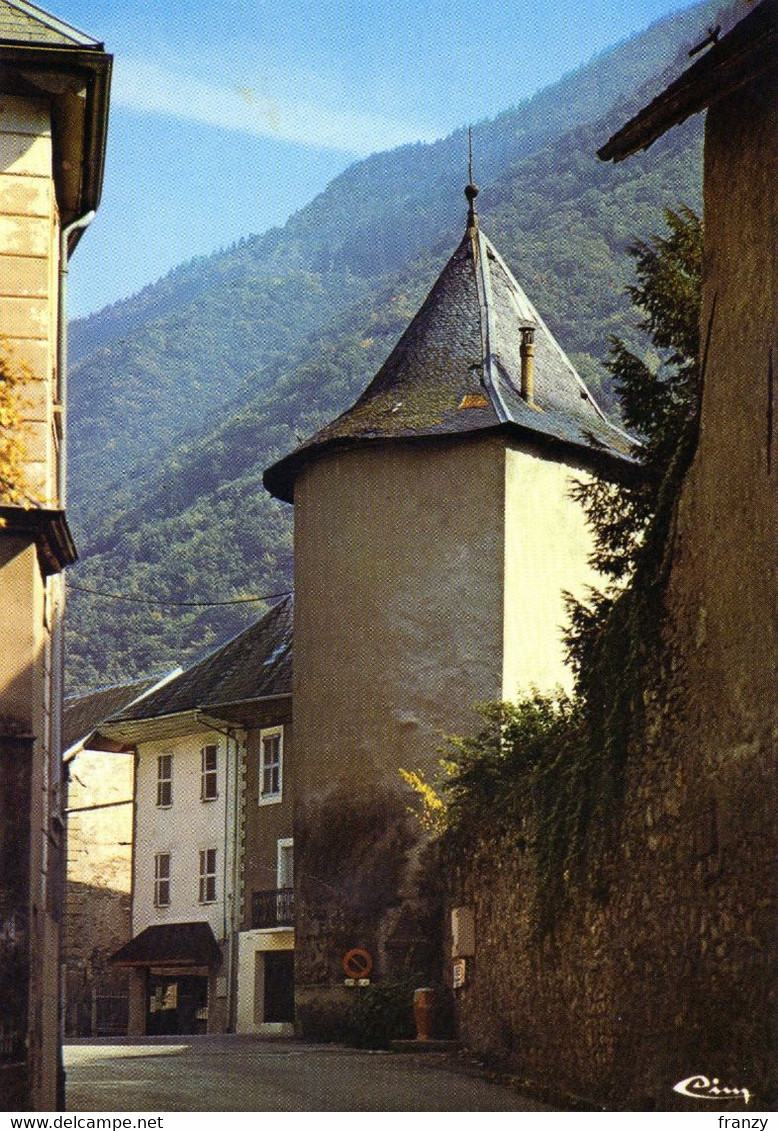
(357, 963)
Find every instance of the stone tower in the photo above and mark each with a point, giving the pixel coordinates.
(434, 537)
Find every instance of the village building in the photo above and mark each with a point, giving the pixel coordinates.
(211, 935)
(99, 809)
(54, 84)
(435, 537)
(654, 989)
(708, 752)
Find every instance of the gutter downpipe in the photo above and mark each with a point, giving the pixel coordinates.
(56, 590)
(232, 976)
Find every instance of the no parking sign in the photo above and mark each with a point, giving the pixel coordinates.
(357, 964)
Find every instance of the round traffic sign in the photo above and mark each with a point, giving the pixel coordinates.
(357, 963)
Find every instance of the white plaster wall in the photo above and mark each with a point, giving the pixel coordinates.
(547, 545)
(250, 944)
(188, 826)
(398, 612)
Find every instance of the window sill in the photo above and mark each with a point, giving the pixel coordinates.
(271, 799)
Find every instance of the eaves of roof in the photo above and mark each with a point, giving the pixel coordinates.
(749, 49)
(125, 733)
(76, 80)
(456, 371)
(48, 529)
(280, 479)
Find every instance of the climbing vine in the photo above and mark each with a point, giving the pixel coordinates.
(549, 771)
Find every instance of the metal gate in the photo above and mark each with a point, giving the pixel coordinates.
(111, 1015)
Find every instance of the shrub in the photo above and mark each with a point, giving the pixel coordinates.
(380, 1014)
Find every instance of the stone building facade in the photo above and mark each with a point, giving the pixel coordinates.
(54, 85)
(671, 977)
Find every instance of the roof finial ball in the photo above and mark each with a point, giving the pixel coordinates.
(471, 191)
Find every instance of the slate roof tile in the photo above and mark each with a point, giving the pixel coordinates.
(457, 370)
(22, 22)
(83, 712)
(255, 664)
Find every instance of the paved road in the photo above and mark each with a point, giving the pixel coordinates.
(247, 1074)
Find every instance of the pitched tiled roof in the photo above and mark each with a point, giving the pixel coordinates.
(256, 664)
(84, 712)
(22, 22)
(457, 370)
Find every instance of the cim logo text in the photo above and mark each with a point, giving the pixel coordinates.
(701, 1088)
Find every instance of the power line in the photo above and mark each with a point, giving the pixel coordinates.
(177, 604)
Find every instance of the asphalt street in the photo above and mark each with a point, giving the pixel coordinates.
(233, 1073)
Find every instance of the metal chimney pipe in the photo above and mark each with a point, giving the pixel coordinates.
(527, 353)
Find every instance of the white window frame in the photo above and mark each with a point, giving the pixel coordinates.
(162, 878)
(207, 889)
(209, 777)
(271, 797)
(284, 843)
(164, 780)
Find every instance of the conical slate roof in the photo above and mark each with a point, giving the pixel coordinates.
(457, 370)
(22, 22)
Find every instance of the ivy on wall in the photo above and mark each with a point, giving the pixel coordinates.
(549, 771)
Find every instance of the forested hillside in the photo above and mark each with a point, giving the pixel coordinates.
(181, 396)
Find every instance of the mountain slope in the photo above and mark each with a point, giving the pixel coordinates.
(287, 328)
(212, 324)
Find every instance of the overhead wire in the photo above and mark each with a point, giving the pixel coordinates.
(177, 604)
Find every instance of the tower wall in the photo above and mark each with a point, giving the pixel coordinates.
(399, 559)
(398, 618)
(429, 578)
(547, 547)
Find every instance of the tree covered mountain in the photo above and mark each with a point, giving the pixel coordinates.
(182, 395)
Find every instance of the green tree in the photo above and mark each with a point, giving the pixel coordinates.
(548, 772)
(659, 396)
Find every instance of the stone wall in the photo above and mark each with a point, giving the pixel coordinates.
(97, 898)
(97, 923)
(670, 972)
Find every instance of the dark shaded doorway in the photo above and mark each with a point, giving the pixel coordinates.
(279, 985)
(177, 1005)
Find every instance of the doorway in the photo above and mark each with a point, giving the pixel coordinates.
(177, 1005)
(279, 986)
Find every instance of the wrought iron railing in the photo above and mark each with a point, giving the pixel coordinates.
(272, 908)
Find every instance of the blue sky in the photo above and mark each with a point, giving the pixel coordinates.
(227, 117)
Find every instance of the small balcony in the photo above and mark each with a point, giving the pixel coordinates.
(272, 908)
